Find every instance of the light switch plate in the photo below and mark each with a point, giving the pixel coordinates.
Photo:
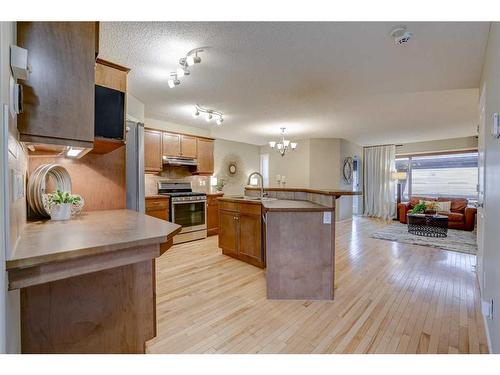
(327, 217)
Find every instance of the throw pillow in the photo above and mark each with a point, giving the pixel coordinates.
(443, 206)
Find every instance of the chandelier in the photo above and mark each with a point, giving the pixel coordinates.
(283, 145)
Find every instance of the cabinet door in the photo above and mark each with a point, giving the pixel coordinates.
(250, 236)
(171, 144)
(152, 151)
(212, 216)
(59, 92)
(205, 156)
(228, 232)
(188, 146)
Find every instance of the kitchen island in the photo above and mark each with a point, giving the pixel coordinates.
(88, 284)
(291, 232)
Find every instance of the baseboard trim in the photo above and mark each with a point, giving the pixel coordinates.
(487, 332)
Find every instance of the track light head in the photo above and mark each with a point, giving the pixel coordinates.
(196, 113)
(219, 121)
(182, 71)
(208, 117)
(191, 60)
(173, 81)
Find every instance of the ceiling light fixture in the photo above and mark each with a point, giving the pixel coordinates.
(209, 114)
(283, 145)
(192, 57)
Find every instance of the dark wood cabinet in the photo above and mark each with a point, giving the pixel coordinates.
(205, 156)
(240, 232)
(213, 214)
(59, 93)
(152, 150)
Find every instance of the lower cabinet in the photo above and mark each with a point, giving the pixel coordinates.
(158, 207)
(240, 232)
(213, 214)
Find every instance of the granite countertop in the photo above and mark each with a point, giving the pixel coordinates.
(285, 205)
(90, 233)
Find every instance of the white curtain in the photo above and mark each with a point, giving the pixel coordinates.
(378, 186)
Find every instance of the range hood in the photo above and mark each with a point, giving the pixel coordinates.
(173, 160)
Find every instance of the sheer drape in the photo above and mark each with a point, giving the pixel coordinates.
(378, 186)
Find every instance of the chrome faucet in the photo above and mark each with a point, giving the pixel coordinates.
(261, 182)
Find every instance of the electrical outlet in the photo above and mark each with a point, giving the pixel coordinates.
(487, 309)
(327, 217)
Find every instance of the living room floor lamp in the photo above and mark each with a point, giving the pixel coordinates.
(399, 177)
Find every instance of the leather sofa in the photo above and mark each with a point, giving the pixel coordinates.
(460, 216)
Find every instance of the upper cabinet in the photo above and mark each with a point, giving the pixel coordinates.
(205, 156)
(59, 93)
(171, 144)
(159, 144)
(152, 150)
(179, 145)
(110, 91)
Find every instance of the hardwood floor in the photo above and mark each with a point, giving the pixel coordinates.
(389, 298)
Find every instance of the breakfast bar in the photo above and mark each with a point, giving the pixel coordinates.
(291, 232)
(88, 284)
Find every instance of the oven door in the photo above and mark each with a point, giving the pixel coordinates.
(191, 215)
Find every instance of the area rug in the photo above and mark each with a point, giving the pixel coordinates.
(458, 240)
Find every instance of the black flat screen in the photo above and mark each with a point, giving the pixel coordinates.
(109, 113)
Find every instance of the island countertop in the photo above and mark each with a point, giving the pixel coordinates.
(287, 205)
(337, 193)
(90, 233)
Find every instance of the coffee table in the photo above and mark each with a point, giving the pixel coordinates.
(428, 225)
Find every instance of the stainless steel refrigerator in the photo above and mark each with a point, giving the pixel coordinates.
(135, 166)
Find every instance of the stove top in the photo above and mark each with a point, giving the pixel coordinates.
(181, 193)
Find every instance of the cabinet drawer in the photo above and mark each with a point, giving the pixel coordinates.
(229, 206)
(250, 208)
(156, 204)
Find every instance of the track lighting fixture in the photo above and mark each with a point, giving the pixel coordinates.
(190, 59)
(173, 81)
(209, 114)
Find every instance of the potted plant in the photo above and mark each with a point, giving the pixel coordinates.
(60, 204)
(419, 208)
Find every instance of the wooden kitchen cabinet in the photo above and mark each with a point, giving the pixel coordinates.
(158, 207)
(152, 151)
(59, 92)
(205, 156)
(240, 232)
(171, 144)
(213, 213)
(179, 145)
(228, 238)
(188, 146)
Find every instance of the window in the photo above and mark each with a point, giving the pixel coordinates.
(264, 168)
(444, 175)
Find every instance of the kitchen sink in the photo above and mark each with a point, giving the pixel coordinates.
(247, 198)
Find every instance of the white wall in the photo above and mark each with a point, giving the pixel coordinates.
(248, 161)
(316, 164)
(452, 144)
(170, 126)
(491, 255)
(16, 155)
(135, 109)
(294, 165)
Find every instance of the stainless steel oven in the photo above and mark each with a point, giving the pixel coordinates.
(187, 208)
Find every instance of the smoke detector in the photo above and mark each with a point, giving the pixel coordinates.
(401, 35)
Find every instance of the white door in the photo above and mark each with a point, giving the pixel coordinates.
(480, 185)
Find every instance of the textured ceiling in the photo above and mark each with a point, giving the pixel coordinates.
(334, 79)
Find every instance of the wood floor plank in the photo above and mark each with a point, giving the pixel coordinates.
(389, 298)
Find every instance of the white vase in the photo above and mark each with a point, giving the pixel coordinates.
(61, 212)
